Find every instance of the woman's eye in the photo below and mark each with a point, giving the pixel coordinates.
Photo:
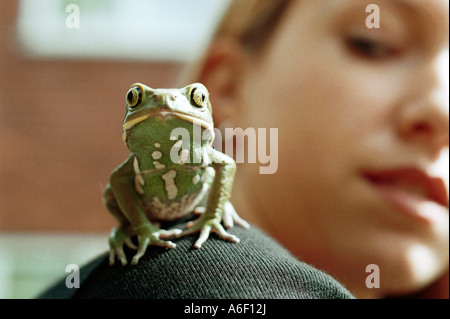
(370, 49)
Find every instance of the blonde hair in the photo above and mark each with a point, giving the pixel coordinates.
(251, 22)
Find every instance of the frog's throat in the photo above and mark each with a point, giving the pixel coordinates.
(194, 120)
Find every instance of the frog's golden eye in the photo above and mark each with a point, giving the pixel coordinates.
(199, 96)
(134, 96)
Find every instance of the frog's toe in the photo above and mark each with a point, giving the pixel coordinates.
(199, 210)
(112, 256)
(218, 229)
(191, 223)
(136, 258)
(224, 235)
(205, 229)
(130, 243)
(165, 243)
(143, 244)
(113, 251)
(121, 256)
(146, 242)
(204, 234)
(239, 221)
(169, 233)
(118, 237)
(230, 217)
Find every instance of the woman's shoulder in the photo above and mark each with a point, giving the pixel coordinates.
(257, 267)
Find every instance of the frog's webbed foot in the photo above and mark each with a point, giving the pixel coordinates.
(229, 218)
(118, 237)
(146, 236)
(205, 226)
(153, 236)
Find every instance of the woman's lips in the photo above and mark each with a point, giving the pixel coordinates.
(411, 190)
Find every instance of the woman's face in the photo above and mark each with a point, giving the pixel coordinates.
(362, 117)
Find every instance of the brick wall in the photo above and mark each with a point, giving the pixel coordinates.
(60, 134)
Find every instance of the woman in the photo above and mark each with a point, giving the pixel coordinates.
(362, 118)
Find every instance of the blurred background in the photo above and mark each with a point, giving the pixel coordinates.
(65, 67)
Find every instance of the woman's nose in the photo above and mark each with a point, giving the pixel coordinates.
(424, 118)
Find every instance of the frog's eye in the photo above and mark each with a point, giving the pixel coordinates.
(134, 96)
(199, 96)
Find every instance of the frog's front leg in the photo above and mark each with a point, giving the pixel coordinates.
(134, 221)
(217, 203)
(119, 235)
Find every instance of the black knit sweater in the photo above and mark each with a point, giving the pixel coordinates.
(257, 267)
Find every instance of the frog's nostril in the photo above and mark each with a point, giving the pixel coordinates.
(160, 98)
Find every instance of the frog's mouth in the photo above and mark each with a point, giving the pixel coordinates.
(165, 114)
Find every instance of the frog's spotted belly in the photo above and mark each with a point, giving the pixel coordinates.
(159, 209)
(164, 199)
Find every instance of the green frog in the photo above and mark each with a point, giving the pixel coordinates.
(166, 177)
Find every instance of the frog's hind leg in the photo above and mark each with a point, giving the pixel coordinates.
(119, 235)
(110, 202)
